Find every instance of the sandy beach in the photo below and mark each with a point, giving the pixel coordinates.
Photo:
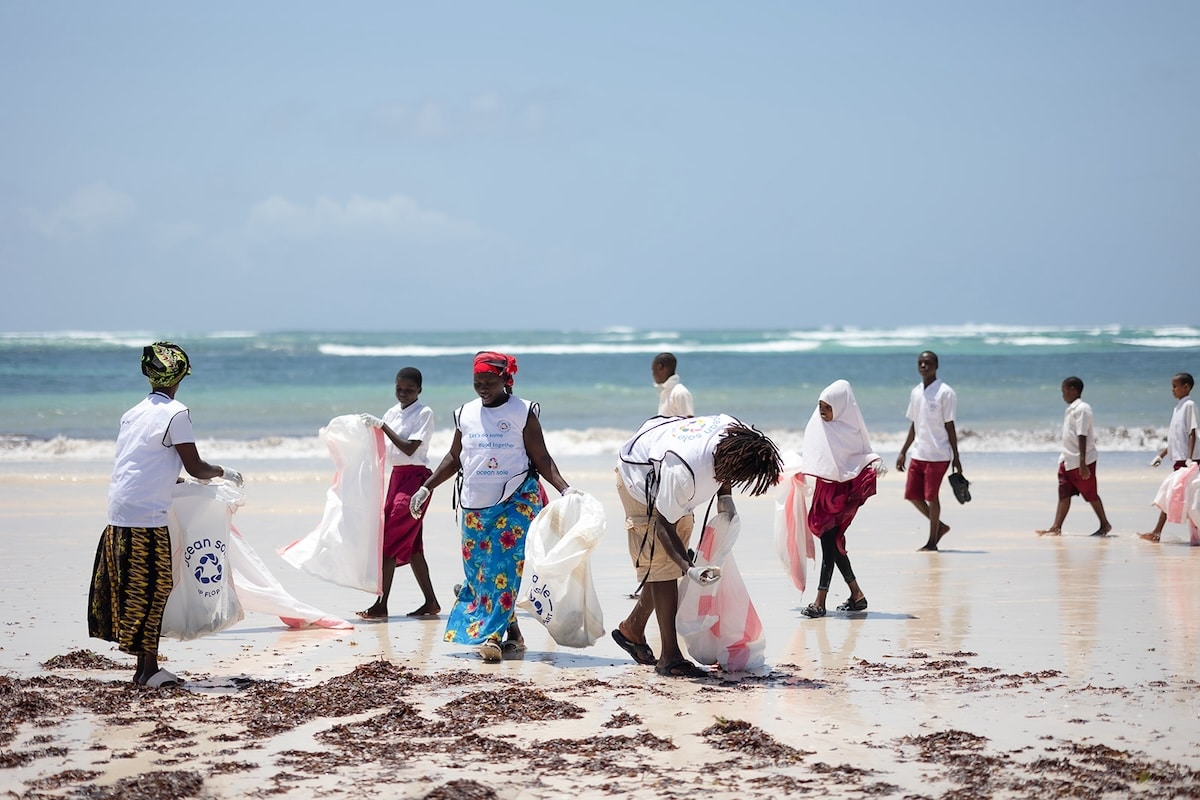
(1006, 665)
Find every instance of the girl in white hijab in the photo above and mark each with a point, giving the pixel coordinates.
(838, 453)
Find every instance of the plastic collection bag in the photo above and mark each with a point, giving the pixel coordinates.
(793, 542)
(258, 590)
(203, 599)
(556, 586)
(1179, 498)
(718, 621)
(346, 548)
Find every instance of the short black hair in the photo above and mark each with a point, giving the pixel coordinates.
(1074, 383)
(1185, 377)
(409, 374)
(928, 353)
(667, 360)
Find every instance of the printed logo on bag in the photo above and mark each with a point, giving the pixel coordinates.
(539, 596)
(203, 559)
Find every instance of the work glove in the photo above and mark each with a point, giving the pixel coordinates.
(372, 420)
(233, 476)
(571, 490)
(880, 469)
(416, 505)
(1156, 461)
(704, 576)
(725, 505)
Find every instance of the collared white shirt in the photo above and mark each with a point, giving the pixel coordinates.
(413, 423)
(1077, 422)
(929, 409)
(1183, 422)
(674, 400)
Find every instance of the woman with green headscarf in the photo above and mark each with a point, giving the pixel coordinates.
(131, 579)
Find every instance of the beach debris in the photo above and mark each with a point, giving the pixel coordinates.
(463, 790)
(740, 736)
(84, 659)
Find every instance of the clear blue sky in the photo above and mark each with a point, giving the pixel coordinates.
(384, 166)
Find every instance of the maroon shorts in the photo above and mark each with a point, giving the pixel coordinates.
(924, 479)
(402, 537)
(1070, 483)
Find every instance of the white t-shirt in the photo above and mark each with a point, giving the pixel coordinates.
(929, 409)
(493, 458)
(679, 454)
(147, 464)
(1183, 422)
(1077, 422)
(414, 423)
(674, 400)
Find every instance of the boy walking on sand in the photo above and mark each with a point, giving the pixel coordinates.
(1077, 464)
(1182, 446)
(932, 406)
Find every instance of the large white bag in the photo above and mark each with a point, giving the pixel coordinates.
(203, 599)
(347, 547)
(1179, 498)
(793, 542)
(556, 586)
(258, 590)
(718, 621)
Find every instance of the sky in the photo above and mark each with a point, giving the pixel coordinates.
(396, 166)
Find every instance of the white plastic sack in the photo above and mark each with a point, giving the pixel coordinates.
(203, 599)
(556, 586)
(347, 547)
(718, 621)
(258, 590)
(1179, 498)
(793, 541)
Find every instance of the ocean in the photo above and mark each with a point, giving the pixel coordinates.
(266, 395)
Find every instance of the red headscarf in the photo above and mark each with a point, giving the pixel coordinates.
(497, 364)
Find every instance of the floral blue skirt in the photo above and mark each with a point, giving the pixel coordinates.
(493, 553)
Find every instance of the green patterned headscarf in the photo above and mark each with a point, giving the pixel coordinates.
(165, 364)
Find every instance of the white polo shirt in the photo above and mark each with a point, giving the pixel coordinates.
(929, 409)
(413, 423)
(147, 464)
(1077, 422)
(1183, 422)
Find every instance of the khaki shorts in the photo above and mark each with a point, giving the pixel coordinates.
(646, 552)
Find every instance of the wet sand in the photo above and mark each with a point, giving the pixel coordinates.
(1006, 665)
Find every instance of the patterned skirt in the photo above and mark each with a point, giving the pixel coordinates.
(493, 552)
(131, 581)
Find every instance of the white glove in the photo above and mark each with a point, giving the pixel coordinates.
(725, 505)
(1156, 461)
(704, 575)
(372, 420)
(571, 490)
(880, 469)
(417, 502)
(232, 475)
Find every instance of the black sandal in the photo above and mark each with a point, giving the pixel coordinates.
(813, 611)
(854, 605)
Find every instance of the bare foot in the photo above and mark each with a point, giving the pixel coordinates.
(943, 529)
(1150, 537)
(376, 611)
(1050, 532)
(427, 610)
(928, 548)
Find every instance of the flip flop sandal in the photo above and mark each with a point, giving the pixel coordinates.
(681, 669)
(813, 611)
(162, 679)
(490, 651)
(513, 647)
(638, 651)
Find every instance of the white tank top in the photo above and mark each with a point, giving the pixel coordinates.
(493, 457)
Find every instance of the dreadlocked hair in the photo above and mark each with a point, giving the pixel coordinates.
(745, 457)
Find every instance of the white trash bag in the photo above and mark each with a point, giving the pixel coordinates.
(259, 590)
(557, 586)
(717, 621)
(793, 542)
(203, 599)
(347, 547)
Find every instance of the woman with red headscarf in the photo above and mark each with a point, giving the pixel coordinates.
(499, 452)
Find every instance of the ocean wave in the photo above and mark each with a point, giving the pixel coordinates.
(571, 442)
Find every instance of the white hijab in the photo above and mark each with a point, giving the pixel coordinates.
(837, 450)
